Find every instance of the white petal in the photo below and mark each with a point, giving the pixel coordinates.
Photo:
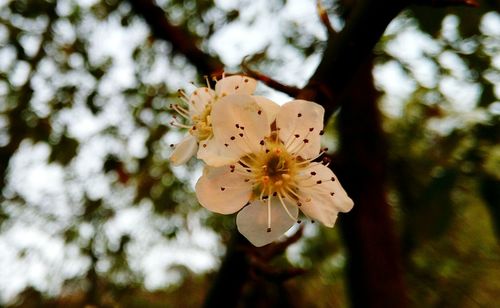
(222, 191)
(240, 123)
(199, 99)
(252, 221)
(235, 85)
(270, 108)
(317, 200)
(304, 119)
(184, 150)
(215, 154)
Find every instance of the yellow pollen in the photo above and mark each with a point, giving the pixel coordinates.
(202, 124)
(275, 170)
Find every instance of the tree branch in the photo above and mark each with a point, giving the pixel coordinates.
(348, 49)
(353, 45)
(276, 85)
(325, 20)
(182, 42)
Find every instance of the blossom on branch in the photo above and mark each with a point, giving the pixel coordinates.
(270, 170)
(197, 119)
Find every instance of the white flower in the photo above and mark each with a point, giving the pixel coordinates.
(272, 173)
(198, 119)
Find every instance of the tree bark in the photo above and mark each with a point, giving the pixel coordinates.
(228, 285)
(374, 264)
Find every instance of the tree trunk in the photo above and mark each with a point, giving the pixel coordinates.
(227, 287)
(374, 265)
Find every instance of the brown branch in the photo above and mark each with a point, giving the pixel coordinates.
(325, 20)
(346, 50)
(275, 249)
(182, 42)
(276, 85)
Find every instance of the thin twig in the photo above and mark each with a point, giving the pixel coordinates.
(276, 85)
(325, 19)
(277, 248)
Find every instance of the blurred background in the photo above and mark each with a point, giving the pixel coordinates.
(93, 214)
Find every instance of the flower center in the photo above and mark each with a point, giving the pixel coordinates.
(274, 170)
(202, 124)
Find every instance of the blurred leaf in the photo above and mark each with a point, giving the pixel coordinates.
(490, 190)
(430, 21)
(435, 206)
(65, 151)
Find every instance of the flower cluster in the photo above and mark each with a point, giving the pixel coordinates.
(260, 159)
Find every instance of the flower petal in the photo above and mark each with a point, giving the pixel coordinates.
(270, 108)
(300, 123)
(235, 85)
(322, 199)
(222, 191)
(214, 154)
(252, 221)
(184, 150)
(240, 123)
(199, 99)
